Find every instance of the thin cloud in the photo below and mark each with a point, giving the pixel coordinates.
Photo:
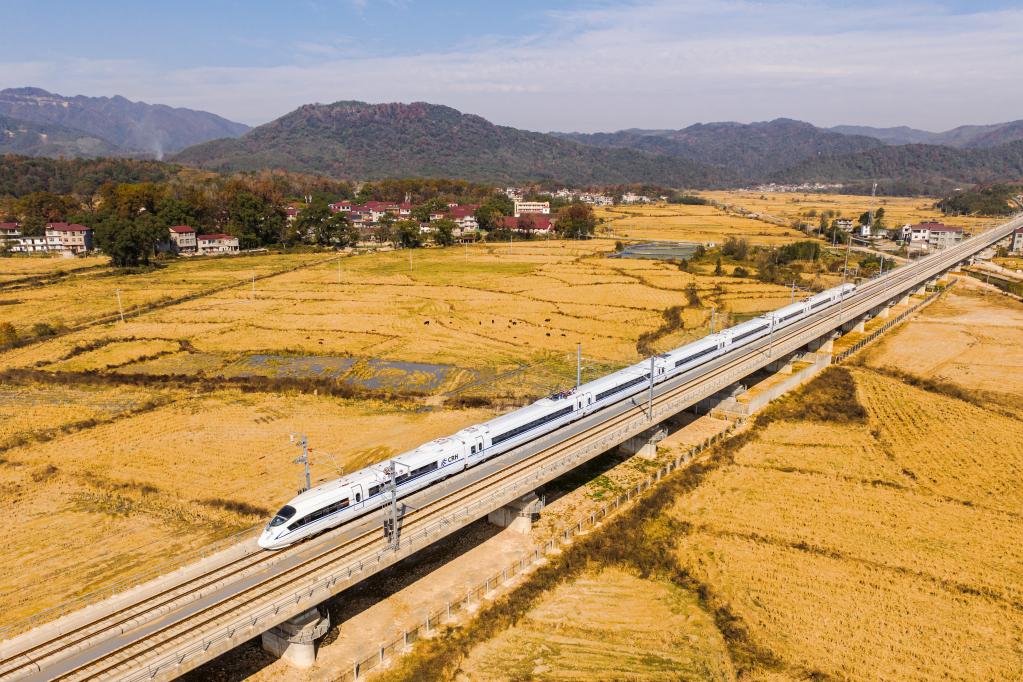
(649, 64)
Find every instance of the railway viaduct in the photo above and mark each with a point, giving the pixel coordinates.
(162, 629)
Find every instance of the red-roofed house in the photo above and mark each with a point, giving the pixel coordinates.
(211, 244)
(528, 223)
(464, 217)
(71, 238)
(182, 239)
(8, 230)
(931, 235)
(340, 207)
(291, 213)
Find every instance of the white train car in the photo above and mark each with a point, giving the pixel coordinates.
(336, 502)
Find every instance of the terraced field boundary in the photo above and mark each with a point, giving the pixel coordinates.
(898, 319)
(139, 310)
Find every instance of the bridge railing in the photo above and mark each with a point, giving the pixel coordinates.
(321, 589)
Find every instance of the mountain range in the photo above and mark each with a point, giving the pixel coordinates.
(356, 140)
(104, 126)
(372, 141)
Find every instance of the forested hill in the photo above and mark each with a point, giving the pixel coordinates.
(131, 127)
(50, 139)
(21, 175)
(372, 141)
(751, 150)
(927, 167)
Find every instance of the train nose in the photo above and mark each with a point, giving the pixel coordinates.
(266, 539)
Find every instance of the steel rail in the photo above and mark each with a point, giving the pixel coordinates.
(863, 296)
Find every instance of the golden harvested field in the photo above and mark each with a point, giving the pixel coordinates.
(27, 410)
(703, 224)
(91, 295)
(486, 308)
(788, 206)
(877, 550)
(13, 269)
(606, 625)
(104, 503)
(970, 338)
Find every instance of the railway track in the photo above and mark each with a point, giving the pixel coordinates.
(258, 579)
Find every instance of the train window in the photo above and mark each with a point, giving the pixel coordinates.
(432, 466)
(751, 332)
(358, 497)
(622, 387)
(473, 449)
(373, 491)
(286, 512)
(692, 357)
(531, 425)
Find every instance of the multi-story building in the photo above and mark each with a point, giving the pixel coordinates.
(1016, 243)
(534, 207)
(931, 235)
(68, 238)
(212, 244)
(182, 239)
(10, 230)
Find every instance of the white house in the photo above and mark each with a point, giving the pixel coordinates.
(534, 207)
(1016, 243)
(931, 235)
(68, 238)
(211, 244)
(182, 239)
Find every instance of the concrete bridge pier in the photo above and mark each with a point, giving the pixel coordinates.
(884, 312)
(517, 515)
(294, 640)
(903, 301)
(824, 344)
(645, 444)
(854, 325)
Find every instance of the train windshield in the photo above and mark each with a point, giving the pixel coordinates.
(283, 515)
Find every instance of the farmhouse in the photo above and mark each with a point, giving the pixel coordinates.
(182, 239)
(528, 223)
(211, 244)
(68, 238)
(931, 235)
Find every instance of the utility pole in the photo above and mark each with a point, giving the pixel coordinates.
(410, 260)
(339, 268)
(303, 443)
(578, 365)
(391, 522)
(713, 317)
(650, 406)
(793, 291)
(120, 308)
(253, 285)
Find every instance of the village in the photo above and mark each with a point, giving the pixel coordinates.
(529, 219)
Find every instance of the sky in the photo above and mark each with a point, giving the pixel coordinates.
(569, 65)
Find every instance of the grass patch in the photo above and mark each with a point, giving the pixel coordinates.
(829, 397)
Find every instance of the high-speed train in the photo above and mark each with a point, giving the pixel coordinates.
(335, 502)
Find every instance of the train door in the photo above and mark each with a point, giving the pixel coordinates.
(356, 493)
(475, 446)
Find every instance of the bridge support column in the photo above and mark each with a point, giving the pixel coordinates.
(517, 515)
(903, 301)
(825, 345)
(958, 268)
(854, 326)
(645, 444)
(884, 312)
(294, 640)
